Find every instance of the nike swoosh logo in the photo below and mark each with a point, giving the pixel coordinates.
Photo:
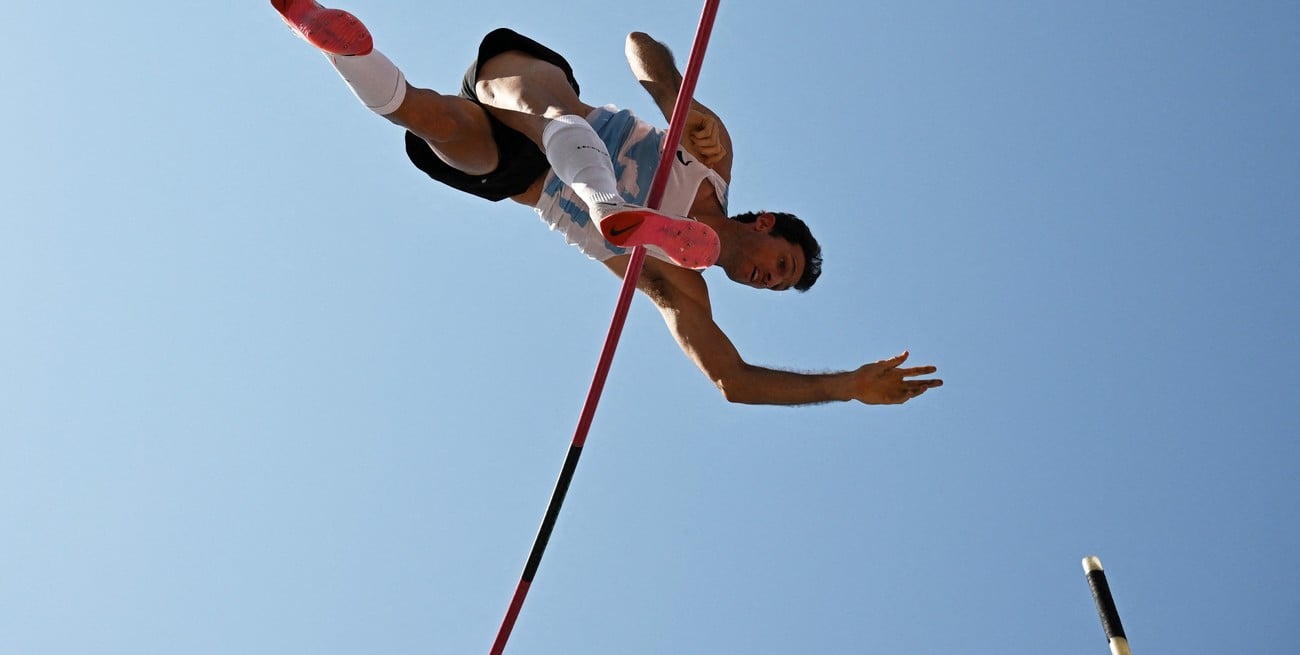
(682, 159)
(614, 232)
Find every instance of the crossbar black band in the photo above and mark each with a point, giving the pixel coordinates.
(1105, 604)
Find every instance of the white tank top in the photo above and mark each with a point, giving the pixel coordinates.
(634, 147)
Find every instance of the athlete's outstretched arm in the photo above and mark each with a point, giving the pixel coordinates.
(682, 298)
(706, 137)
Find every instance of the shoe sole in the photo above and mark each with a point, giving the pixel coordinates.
(331, 30)
(686, 243)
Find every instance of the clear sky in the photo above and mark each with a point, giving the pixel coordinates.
(264, 388)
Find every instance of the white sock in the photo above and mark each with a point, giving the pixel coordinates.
(580, 160)
(379, 84)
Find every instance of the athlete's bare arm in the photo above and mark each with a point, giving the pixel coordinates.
(682, 296)
(683, 299)
(705, 137)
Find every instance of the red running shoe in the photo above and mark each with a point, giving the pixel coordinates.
(686, 243)
(333, 30)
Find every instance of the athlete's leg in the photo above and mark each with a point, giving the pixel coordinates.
(456, 129)
(535, 98)
(525, 92)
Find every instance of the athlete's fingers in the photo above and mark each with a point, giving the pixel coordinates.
(919, 370)
(894, 361)
(707, 141)
(914, 390)
(704, 136)
(710, 152)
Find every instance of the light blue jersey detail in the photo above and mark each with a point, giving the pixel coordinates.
(634, 146)
(646, 155)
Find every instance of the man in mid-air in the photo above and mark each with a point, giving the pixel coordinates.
(518, 130)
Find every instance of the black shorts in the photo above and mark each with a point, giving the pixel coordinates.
(520, 161)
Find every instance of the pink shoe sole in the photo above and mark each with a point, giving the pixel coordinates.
(687, 243)
(332, 30)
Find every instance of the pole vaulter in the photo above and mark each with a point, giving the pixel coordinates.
(485, 142)
(676, 126)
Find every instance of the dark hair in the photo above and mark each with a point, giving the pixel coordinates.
(794, 230)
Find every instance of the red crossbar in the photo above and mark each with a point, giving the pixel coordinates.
(676, 126)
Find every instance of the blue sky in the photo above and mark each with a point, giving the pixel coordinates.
(266, 389)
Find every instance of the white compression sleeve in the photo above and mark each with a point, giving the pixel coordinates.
(580, 160)
(378, 83)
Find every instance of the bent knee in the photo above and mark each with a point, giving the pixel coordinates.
(517, 81)
(439, 118)
(456, 129)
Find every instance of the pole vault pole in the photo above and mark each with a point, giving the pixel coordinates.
(676, 126)
(1105, 606)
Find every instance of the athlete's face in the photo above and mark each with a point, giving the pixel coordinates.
(763, 261)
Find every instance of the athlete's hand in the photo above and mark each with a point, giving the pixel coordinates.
(705, 143)
(884, 383)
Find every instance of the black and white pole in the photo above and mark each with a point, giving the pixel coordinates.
(1105, 606)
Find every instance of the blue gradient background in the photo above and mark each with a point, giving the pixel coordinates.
(266, 389)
